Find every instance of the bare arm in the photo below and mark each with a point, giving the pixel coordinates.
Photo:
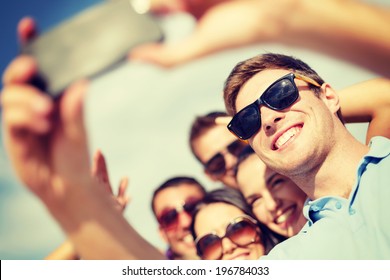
(49, 155)
(66, 250)
(368, 101)
(347, 29)
(47, 145)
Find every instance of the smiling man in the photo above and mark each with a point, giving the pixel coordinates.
(291, 118)
(172, 204)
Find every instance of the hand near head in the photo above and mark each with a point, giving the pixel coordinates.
(330, 28)
(221, 25)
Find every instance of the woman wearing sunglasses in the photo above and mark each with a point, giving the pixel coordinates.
(224, 228)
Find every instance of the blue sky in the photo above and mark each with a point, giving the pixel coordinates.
(46, 12)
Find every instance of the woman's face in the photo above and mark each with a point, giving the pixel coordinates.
(215, 218)
(276, 201)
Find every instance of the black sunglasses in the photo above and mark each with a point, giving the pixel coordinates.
(169, 217)
(242, 231)
(216, 166)
(278, 96)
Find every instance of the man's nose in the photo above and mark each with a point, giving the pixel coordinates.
(270, 118)
(185, 219)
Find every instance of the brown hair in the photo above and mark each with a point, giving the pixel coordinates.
(246, 69)
(201, 125)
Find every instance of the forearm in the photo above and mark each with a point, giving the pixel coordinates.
(96, 228)
(347, 29)
(368, 101)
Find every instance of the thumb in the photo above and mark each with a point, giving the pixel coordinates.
(146, 52)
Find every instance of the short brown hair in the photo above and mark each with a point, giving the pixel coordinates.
(246, 69)
(176, 182)
(201, 125)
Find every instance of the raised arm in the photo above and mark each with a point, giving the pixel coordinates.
(348, 29)
(368, 101)
(46, 143)
(99, 172)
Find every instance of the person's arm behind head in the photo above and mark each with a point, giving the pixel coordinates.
(368, 101)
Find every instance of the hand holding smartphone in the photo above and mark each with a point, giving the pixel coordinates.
(89, 43)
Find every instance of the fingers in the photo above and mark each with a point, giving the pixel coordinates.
(71, 111)
(20, 70)
(95, 160)
(122, 198)
(26, 30)
(123, 186)
(26, 108)
(148, 52)
(156, 53)
(99, 168)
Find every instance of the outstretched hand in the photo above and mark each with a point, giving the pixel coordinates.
(221, 25)
(100, 173)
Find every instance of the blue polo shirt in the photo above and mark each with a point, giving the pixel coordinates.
(353, 228)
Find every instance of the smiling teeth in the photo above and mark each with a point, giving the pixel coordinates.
(283, 139)
(285, 216)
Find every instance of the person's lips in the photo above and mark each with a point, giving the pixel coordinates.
(286, 137)
(285, 215)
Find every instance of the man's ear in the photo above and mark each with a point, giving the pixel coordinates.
(163, 234)
(330, 97)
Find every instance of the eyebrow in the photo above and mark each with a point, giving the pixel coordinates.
(250, 199)
(252, 196)
(268, 181)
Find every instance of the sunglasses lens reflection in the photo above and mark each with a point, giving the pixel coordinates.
(246, 122)
(241, 233)
(281, 95)
(168, 218)
(190, 207)
(216, 166)
(210, 247)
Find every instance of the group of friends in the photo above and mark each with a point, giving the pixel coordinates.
(297, 184)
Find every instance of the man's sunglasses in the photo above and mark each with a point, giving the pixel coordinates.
(278, 96)
(242, 231)
(216, 166)
(169, 217)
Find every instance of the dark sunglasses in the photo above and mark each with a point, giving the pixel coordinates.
(242, 231)
(216, 166)
(278, 96)
(169, 217)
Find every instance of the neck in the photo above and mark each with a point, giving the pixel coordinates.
(336, 174)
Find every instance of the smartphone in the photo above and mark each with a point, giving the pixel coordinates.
(89, 43)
